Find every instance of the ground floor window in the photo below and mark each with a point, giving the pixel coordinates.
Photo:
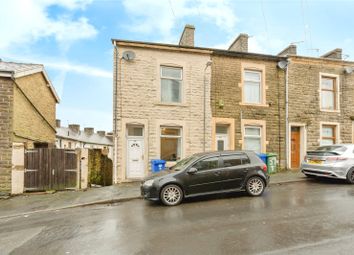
(170, 143)
(253, 138)
(328, 134)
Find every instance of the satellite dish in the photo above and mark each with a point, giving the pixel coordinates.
(282, 64)
(128, 55)
(348, 69)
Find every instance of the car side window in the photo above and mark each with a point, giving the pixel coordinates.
(235, 160)
(207, 164)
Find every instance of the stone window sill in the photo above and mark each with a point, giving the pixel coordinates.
(171, 104)
(256, 105)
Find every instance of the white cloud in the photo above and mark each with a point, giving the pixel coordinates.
(161, 16)
(24, 22)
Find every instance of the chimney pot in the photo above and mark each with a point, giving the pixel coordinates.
(187, 37)
(57, 123)
(89, 131)
(75, 128)
(290, 50)
(101, 133)
(333, 54)
(240, 44)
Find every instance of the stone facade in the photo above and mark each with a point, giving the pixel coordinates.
(34, 111)
(138, 100)
(6, 139)
(304, 98)
(226, 100)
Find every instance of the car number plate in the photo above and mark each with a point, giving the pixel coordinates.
(316, 162)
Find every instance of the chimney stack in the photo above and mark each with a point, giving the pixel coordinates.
(333, 54)
(290, 50)
(187, 37)
(75, 128)
(240, 44)
(101, 133)
(57, 123)
(89, 131)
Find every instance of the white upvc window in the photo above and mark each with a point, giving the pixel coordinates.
(252, 87)
(170, 143)
(253, 138)
(171, 84)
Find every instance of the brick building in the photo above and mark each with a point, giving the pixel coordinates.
(27, 117)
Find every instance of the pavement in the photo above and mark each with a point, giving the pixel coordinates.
(29, 203)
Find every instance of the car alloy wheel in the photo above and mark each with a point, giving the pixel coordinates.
(350, 176)
(255, 186)
(171, 195)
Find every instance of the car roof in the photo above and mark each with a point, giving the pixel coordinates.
(218, 153)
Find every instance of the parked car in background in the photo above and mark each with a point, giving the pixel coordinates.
(208, 173)
(331, 161)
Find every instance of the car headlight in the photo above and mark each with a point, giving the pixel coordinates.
(149, 182)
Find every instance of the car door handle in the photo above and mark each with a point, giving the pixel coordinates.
(217, 173)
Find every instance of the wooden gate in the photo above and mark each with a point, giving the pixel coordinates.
(50, 169)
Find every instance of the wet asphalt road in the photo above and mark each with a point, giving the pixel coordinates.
(313, 217)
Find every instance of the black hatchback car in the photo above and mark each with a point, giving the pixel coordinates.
(208, 173)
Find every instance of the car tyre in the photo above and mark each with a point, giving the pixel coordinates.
(350, 176)
(255, 186)
(171, 195)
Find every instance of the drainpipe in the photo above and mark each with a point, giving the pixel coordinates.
(115, 117)
(287, 113)
(204, 106)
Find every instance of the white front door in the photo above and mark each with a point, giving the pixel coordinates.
(222, 142)
(135, 159)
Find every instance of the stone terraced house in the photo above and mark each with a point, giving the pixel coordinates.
(168, 102)
(27, 118)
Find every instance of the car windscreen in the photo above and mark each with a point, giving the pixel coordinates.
(182, 163)
(329, 150)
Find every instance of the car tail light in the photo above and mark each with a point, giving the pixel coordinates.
(335, 159)
(264, 168)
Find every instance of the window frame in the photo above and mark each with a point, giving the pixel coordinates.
(209, 157)
(336, 91)
(246, 70)
(171, 78)
(180, 137)
(241, 156)
(253, 136)
(333, 138)
(251, 67)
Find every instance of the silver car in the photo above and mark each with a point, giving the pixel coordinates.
(331, 161)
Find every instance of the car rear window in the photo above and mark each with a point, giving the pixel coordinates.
(329, 150)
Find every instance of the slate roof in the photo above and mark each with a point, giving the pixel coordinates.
(17, 70)
(67, 133)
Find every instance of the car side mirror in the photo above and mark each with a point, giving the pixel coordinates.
(192, 170)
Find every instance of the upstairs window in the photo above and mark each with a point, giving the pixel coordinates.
(328, 93)
(171, 84)
(252, 87)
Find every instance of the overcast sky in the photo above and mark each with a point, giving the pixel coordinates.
(72, 38)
